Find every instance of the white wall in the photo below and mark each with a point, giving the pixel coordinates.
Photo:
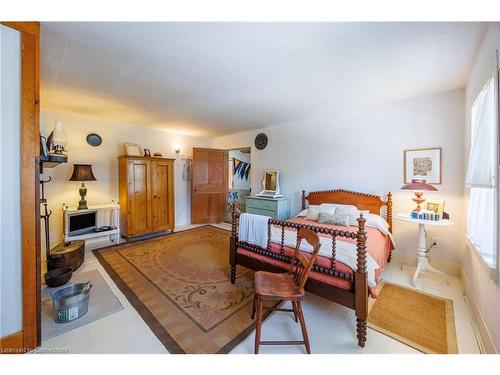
(105, 164)
(10, 183)
(486, 291)
(361, 149)
(238, 182)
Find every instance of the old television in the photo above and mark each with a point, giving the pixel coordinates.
(82, 222)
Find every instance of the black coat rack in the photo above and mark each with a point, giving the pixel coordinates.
(46, 218)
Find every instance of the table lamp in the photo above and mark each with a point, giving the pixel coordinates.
(418, 186)
(82, 173)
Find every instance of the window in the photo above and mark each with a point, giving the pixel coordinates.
(481, 177)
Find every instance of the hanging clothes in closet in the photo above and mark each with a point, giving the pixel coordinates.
(187, 169)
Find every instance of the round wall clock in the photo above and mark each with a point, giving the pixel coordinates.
(94, 139)
(261, 141)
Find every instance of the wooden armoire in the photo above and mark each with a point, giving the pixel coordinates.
(146, 195)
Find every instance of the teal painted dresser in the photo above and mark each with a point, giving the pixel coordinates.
(276, 208)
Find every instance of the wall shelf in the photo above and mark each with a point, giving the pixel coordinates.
(52, 161)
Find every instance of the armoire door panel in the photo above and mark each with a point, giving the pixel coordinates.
(162, 196)
(140, 201)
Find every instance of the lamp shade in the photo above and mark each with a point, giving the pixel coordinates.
(419, 185)
(82, 172)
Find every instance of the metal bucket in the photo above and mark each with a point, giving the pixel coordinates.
(71, 302)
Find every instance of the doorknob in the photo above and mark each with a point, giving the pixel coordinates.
(195, 188)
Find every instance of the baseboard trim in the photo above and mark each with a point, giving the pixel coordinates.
(12, 343)
(452, 269)
(487, 342)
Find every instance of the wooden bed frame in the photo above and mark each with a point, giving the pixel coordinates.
(357, 297)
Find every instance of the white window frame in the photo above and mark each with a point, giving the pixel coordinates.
(494, 272)
(491, 265)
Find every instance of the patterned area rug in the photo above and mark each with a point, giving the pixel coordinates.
(180, 285)
(420, 320)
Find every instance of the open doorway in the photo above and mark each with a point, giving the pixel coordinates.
(239, 179)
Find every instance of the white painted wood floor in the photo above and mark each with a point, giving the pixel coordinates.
(331, 326)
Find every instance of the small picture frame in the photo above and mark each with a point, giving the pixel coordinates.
(132, 149)
(147, 152)
(423, 164)
(435, 206)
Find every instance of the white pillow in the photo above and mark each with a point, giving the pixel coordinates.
(327, 208)
(303, 213)
(313, 213)
(377, 222)
(343, 209)
(333, 205)
(364, 212)
(353, 213)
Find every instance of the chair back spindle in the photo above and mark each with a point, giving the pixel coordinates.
(300, 267)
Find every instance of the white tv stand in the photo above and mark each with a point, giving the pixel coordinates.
(114, 221)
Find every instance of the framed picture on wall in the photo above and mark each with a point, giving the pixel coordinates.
(423, 164)
(132, 149)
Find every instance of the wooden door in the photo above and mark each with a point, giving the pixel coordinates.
(209, 189)
(139, 190)
(163, 195)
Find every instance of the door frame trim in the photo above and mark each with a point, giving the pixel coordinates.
(30, 213)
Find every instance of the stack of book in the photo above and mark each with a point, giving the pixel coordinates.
(425, 215)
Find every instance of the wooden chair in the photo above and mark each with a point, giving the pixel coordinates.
(286, 287)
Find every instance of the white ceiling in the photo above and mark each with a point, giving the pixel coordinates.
(211, 79)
